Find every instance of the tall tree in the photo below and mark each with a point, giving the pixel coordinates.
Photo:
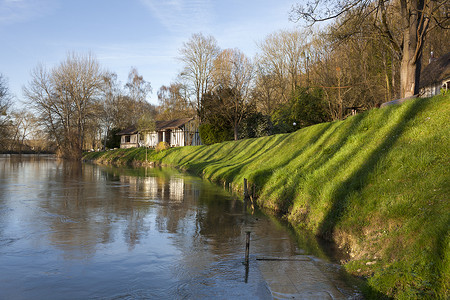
(265, 92)
(137, 87)
(173, 103)
(406, 37)
(198, 55)
(233, 77)
(282, 60)
(64, 98)
(24, 126)
(5, 104)
(138, 90)
(111, 94)
(354, 73)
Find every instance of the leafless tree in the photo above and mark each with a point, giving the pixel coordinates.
(282, 60)
(64, 98)
(198, 55)
(138, 90)
(24, 126)
(403, 24)
(137, 87)
(110, 108)
(233, 71)
(264, 93)
(5, 104)
(173, 103)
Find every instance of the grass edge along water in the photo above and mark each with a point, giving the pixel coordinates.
(376, 183)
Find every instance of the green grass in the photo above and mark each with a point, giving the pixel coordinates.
(377, 184)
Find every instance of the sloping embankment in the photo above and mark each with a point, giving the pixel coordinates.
(376, 183)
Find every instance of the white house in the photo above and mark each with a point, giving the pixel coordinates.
(179, 132)
(435, 76)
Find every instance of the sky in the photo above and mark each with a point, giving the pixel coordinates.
(146, 34)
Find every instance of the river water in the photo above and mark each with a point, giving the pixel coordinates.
(80, 231)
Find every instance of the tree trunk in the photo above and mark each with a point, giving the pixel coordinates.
(407, 75)
(412, 47)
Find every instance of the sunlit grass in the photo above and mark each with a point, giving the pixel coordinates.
(376, 183)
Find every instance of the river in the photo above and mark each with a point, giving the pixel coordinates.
(80, 231)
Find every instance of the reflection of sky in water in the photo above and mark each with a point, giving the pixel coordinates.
(76, 230)
(85, 231)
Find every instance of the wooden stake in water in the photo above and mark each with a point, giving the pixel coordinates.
(245, 189)
(247, 247)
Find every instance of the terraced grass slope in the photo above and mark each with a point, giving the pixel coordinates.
(377, 184)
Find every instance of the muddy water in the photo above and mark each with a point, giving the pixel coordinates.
(79, 231)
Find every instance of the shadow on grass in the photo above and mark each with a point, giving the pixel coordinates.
(442, 249)
(234, 169)
(263, 176)
(358, 180)
(335, 167)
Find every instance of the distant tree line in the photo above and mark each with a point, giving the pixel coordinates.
(72, 107)
(369, 53)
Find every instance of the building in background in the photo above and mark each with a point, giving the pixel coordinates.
(177, 133)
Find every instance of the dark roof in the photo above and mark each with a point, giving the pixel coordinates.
(435, 71)
(160, 125)
(171, 124)
(127, 131)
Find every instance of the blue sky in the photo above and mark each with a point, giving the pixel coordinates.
(145, 34)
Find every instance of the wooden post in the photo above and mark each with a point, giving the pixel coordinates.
(245, 189)
(253, 192)
(247, 247)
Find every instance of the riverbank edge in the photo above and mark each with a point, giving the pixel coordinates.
(373, 146)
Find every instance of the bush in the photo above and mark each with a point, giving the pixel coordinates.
(162, 146)
(305, 107)
(112, 139)
(211, 134)
(255, 125)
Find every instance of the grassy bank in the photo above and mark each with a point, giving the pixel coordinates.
(377, 184)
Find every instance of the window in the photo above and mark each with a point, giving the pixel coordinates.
(127, 139)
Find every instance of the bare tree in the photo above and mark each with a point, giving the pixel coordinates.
(64, 99)
(138, 90)
(198, 55)
(233, 76)
(282, 60)
(265, 92)
(137, 87)
(404, 24)
(173, 103)
(356, 73)
(24, 126)
(5, 104)
(110, 108)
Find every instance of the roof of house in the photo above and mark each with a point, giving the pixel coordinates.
(171, 124)
(435, 71)
(160, 125)
(128, 131)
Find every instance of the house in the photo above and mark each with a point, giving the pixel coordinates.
(129, 137)
(179, 132)
(435, 76)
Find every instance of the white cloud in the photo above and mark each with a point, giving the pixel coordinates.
(14, 11)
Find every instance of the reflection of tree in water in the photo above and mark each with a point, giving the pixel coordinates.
(76, 219)
(83, 205)
(80, 206)
(177, 200)
(136, 201)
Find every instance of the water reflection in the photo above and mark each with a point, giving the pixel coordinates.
(71, 230)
